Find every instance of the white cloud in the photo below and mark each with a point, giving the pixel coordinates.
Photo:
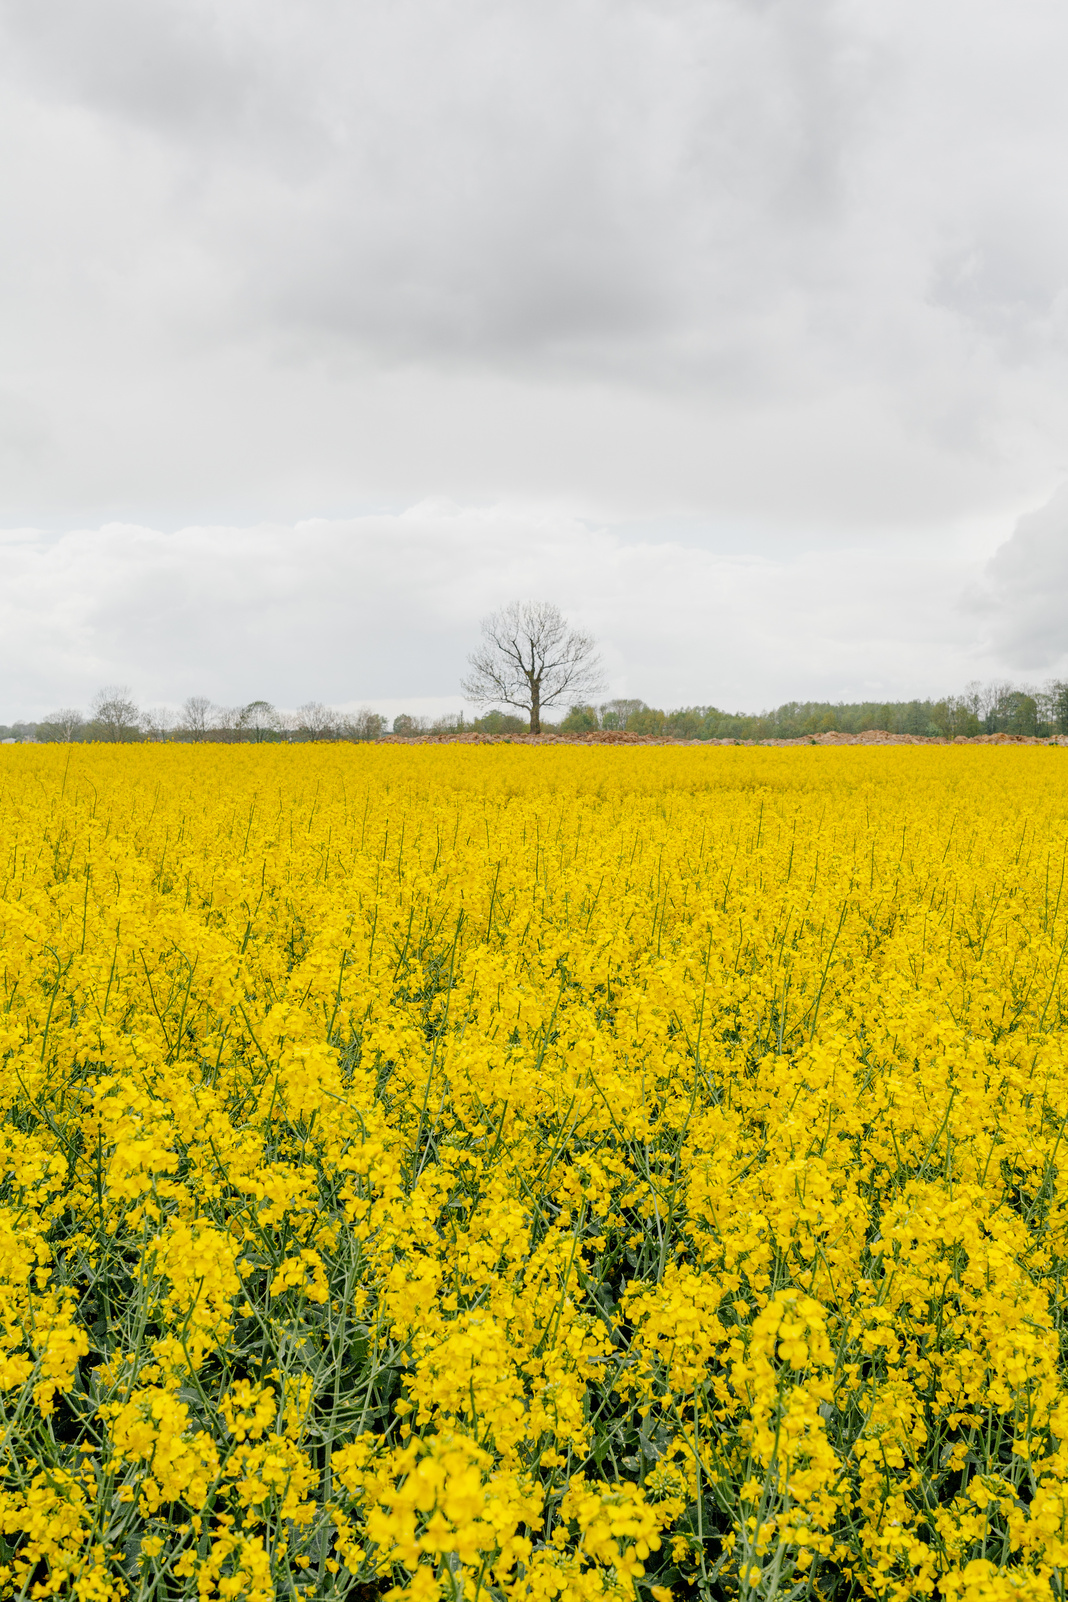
(384, 608)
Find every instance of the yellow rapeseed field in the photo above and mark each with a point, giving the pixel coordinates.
(533, 1173)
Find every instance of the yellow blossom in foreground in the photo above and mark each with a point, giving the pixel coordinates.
(552, 1174)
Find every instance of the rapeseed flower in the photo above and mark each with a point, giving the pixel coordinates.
(533, 1173)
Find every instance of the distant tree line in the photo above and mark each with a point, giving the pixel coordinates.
(998, 708)
(493, 722)
(981, 709)
(115, 716)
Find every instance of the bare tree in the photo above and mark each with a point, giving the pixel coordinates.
(196, 717)
(114, 713)
(314, 721)
(1055, 698)
(259, 720)
(531, 659)
(62, 725)
(363, 724)
(157, 722)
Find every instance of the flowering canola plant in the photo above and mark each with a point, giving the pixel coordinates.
(541, 1173)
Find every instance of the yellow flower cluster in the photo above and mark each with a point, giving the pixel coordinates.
(549, 1173)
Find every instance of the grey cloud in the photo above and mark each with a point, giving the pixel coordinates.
(499, 182)
(1025, 594)
(197, 73)
(800, 261)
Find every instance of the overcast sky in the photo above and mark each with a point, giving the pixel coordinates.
(738, 328)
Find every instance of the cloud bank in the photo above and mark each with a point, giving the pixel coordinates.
(384, 609)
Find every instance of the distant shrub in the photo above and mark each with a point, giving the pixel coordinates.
(501, 723)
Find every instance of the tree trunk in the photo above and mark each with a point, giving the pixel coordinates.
(535, 709)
